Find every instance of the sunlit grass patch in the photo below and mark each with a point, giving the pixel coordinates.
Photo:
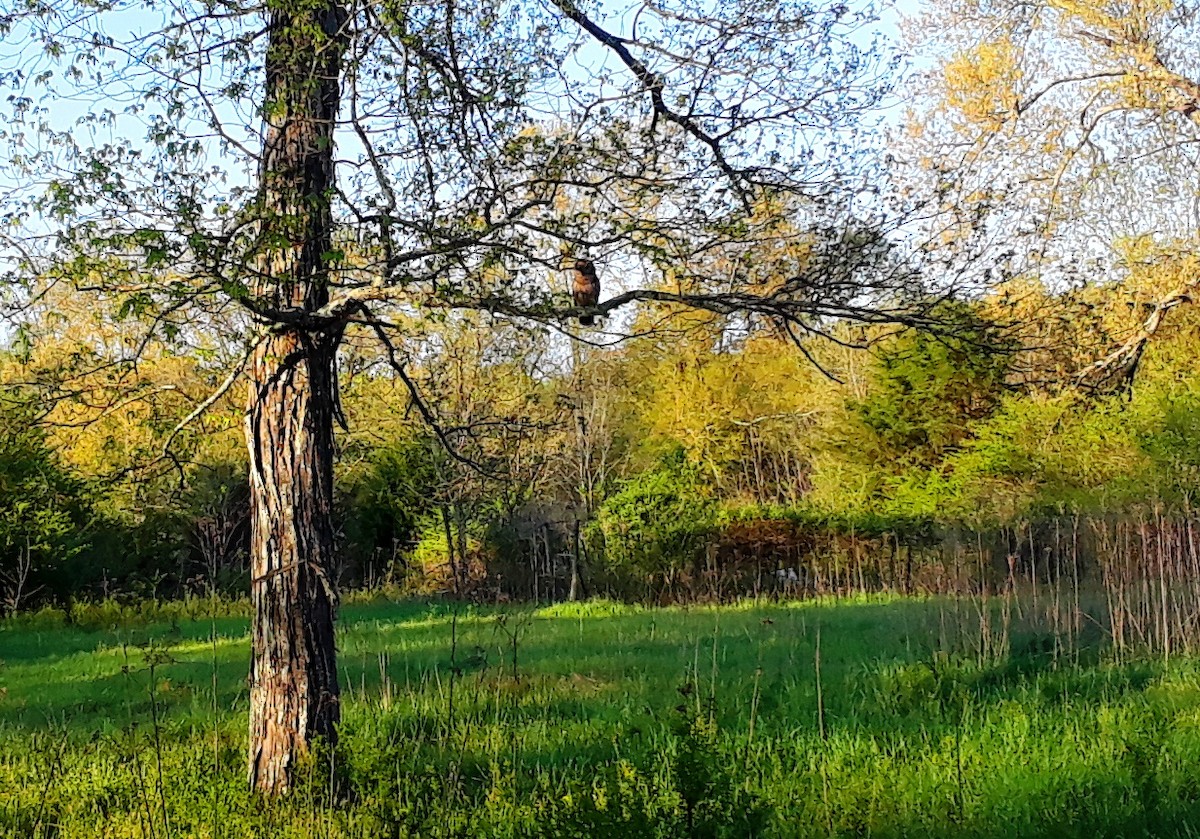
(877, 716)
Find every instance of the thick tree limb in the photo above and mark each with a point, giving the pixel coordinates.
(784, 307)
(1122, 363)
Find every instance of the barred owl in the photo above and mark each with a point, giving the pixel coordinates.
(585, 288)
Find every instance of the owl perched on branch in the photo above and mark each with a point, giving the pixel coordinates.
(585, 288)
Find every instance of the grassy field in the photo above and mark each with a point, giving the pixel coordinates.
(860, 718)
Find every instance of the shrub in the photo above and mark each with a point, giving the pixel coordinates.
(656, 527)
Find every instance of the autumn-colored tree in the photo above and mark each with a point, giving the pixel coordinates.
(1062, 134)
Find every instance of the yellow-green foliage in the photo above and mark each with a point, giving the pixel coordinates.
(981, 82)
(979, 424)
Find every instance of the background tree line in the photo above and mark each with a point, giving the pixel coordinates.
(707, 448)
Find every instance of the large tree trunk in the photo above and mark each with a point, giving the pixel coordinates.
(293, 674)
(292, 400)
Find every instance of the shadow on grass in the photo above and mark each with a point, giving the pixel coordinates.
(872, 654)
(904, 741)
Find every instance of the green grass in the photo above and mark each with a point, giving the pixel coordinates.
(619, 721)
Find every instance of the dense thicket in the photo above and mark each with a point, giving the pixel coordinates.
(699, 459)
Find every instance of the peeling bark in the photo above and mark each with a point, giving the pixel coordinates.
(293, 401)
(293, 672)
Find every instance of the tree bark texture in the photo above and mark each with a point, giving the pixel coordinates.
(293, 400)
(293, 673)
